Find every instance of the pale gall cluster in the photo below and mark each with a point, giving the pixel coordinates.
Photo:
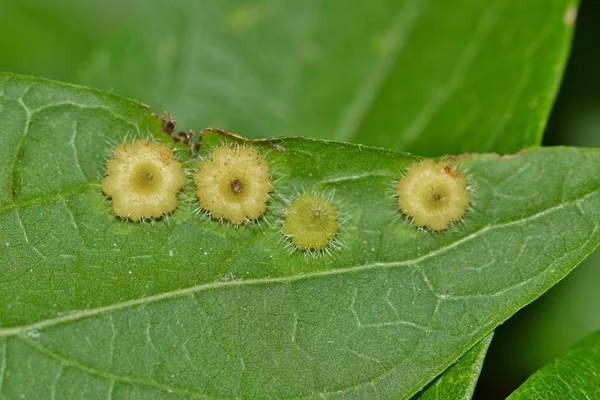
(234, 184)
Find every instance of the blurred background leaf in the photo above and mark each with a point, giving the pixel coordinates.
(427, 76)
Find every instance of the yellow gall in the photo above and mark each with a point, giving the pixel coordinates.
(433, 194)
(143, 180)
(311, 222)
(234, 184)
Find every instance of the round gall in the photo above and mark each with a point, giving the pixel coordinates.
(234, 184)
(433, 194)
(143, 180)
(311, 222)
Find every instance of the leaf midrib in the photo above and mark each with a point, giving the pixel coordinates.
(81, 314)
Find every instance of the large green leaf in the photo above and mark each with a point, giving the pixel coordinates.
(576, 375)
(190, 307)
(428, 76)
(458, 382)
(569, 311)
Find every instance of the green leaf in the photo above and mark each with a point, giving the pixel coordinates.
(426, 76)
(569, 311)
(194, 308)
(556, 321)
(576, 375)
(458, 382)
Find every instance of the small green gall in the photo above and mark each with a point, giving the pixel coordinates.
(311, 222)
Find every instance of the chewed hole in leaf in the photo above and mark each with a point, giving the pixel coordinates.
(143, 180)
(311, 222)
(234, 184)
(433, 194)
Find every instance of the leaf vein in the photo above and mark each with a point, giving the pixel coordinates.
(13, 168)
(64, 361)
(80, 314)
(4, 351)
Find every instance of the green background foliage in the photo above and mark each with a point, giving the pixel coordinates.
(428, 76)
(573, 376)
(407, 76)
